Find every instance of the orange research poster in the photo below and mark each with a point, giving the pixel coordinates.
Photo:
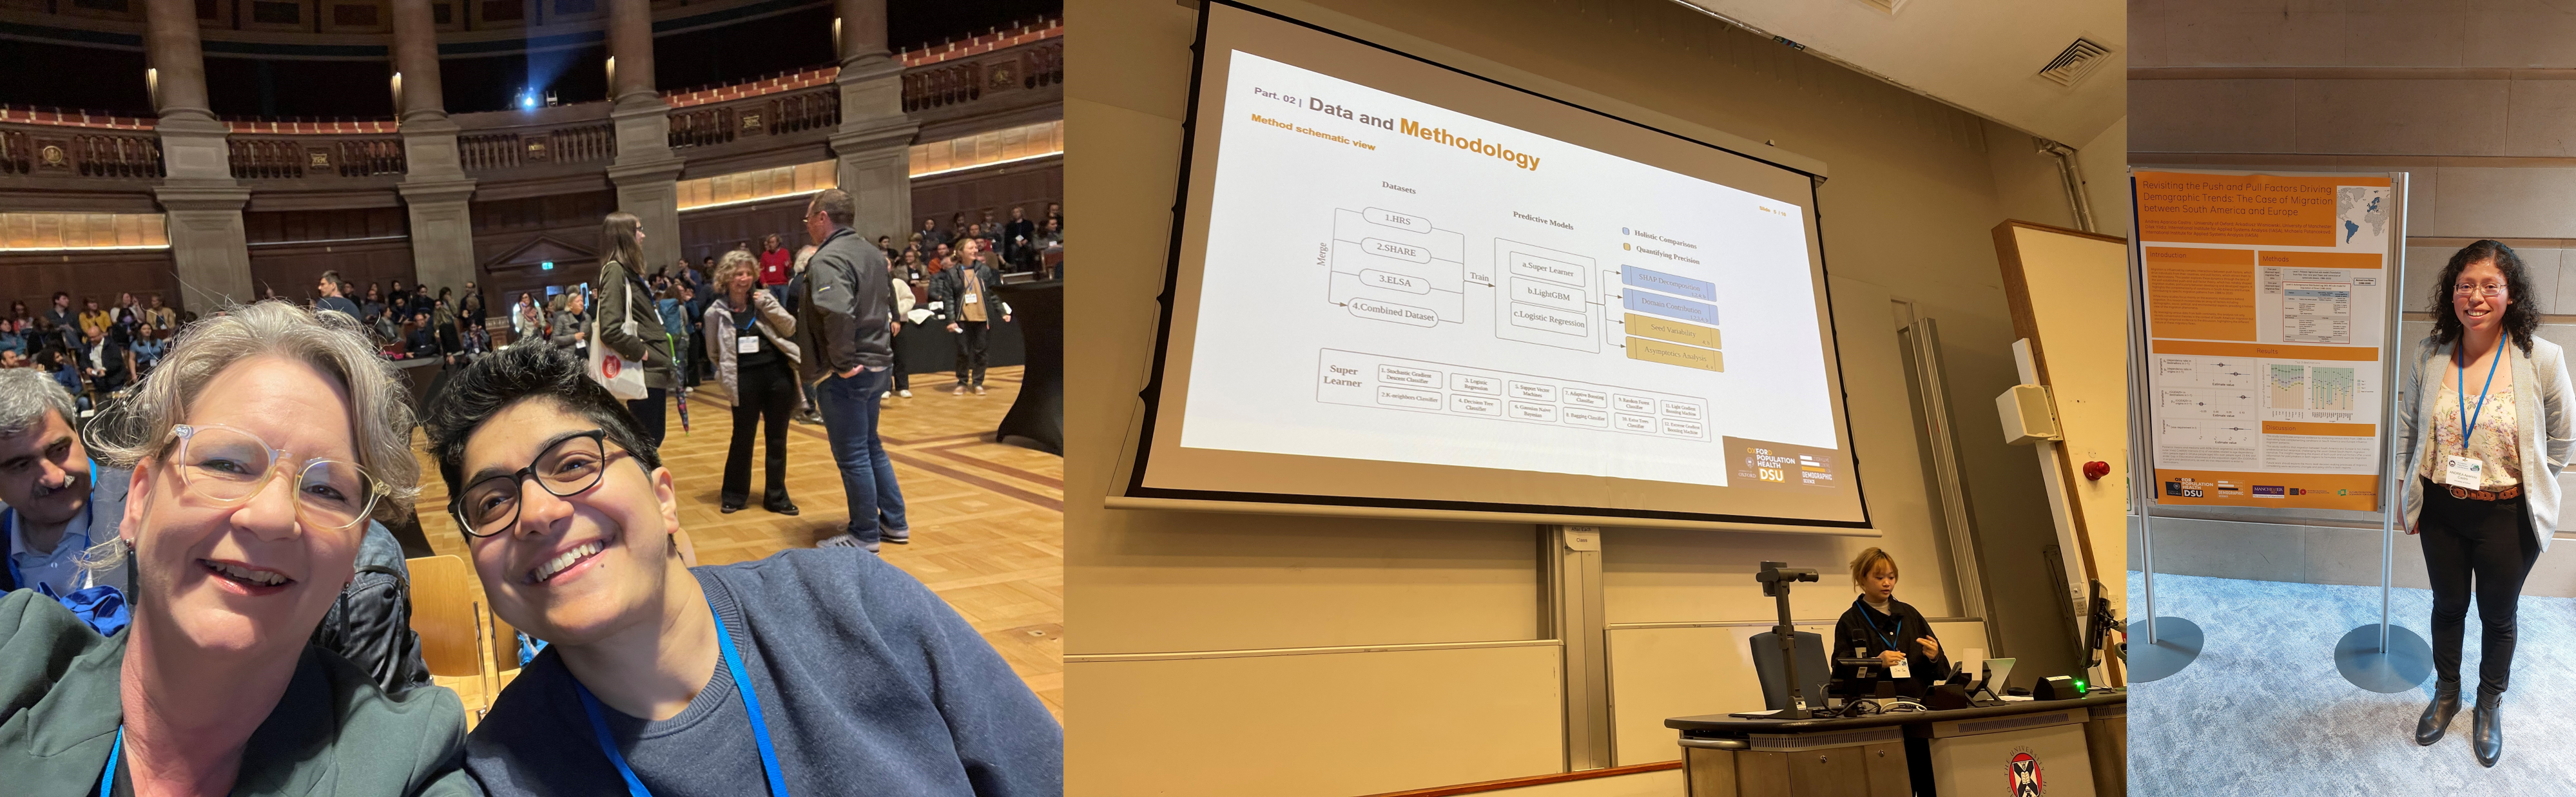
(2267, 299)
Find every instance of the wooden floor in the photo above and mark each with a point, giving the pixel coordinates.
(987, 519)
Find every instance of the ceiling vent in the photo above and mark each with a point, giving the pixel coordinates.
(2080, 59)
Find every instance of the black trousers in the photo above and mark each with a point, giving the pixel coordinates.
(767, 397)
(648, 414)
(974, 341)
(2475, 547)
(902, 378)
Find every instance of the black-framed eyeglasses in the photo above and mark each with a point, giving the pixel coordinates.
(564, 469)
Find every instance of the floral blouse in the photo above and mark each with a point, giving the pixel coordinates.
(2494, 441)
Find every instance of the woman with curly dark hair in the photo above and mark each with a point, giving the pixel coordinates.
(2488, 433)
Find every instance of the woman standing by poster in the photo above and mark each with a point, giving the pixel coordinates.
(2490, 422)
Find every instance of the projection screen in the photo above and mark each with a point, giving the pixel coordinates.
(1398, 285)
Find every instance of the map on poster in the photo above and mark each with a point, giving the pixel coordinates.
(2267, 301)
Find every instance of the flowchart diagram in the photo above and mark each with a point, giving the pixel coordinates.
(1396, 267)
(1399, 267)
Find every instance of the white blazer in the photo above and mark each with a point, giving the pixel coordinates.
(2545, 438)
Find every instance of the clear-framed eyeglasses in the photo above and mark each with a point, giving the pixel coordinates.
(2489, 290)
(230, 466)
(569, 466)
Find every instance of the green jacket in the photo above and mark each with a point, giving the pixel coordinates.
(333, 734)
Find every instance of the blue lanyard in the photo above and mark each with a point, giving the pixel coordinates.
(741, 686)
(89, 512)
(1865, 619)
(2463, 393)
(108, 781)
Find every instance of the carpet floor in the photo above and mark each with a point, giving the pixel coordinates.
(2262, 711)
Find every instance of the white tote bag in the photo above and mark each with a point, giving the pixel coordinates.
(624, 377)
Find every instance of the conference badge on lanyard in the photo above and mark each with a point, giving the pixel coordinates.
(2468, 473)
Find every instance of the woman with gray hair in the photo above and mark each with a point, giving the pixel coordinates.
(213, 689)
(751, 339)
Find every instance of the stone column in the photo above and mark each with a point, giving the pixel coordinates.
(434, 188)
(874, 142)
(202, 202)
(646, 173)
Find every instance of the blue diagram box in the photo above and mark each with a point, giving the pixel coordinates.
(1659, 281)
(1670, 307)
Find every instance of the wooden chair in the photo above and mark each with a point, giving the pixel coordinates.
(448, 614)
(505, 645)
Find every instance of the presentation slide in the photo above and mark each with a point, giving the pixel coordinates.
(1386, 278)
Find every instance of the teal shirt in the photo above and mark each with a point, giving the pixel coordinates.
(332, 733)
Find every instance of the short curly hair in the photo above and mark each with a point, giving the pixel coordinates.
(518, 372)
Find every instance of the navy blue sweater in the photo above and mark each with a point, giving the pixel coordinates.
(870, 684)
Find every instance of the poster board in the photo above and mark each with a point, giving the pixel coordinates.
(2270, 316)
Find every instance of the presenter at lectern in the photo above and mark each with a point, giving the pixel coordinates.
(1878, 626)
(2488, 433)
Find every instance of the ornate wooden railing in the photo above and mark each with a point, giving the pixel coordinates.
(702, 126)
(297, 157)
(806, 110)
(946, 84)
(573, 143)
(939, 82)
(41, 151)
(773, 114)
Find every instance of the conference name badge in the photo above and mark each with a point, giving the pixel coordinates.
(1901, 670)
(747, 344)
(2464, 473)
(969, 299)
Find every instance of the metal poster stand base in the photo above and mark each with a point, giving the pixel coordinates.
(2176, 642)
(2403, 665)
(2382, 657)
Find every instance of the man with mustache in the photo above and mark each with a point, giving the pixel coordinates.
(58, 502)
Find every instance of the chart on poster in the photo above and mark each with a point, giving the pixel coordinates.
(1394, 280)
(2267, 299)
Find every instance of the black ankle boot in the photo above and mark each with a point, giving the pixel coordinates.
(2437, 716)
(2487, 728)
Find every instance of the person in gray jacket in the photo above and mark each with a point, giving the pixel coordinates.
(749, 339)
(845, 325)
(630, 324)
(2484, 433)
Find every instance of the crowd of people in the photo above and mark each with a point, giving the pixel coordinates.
(406, 324)
(92, 351)
(226, 637)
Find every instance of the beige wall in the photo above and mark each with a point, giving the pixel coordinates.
(1915, 187)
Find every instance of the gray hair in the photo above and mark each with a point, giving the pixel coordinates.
(380, 409)
(26, 394)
